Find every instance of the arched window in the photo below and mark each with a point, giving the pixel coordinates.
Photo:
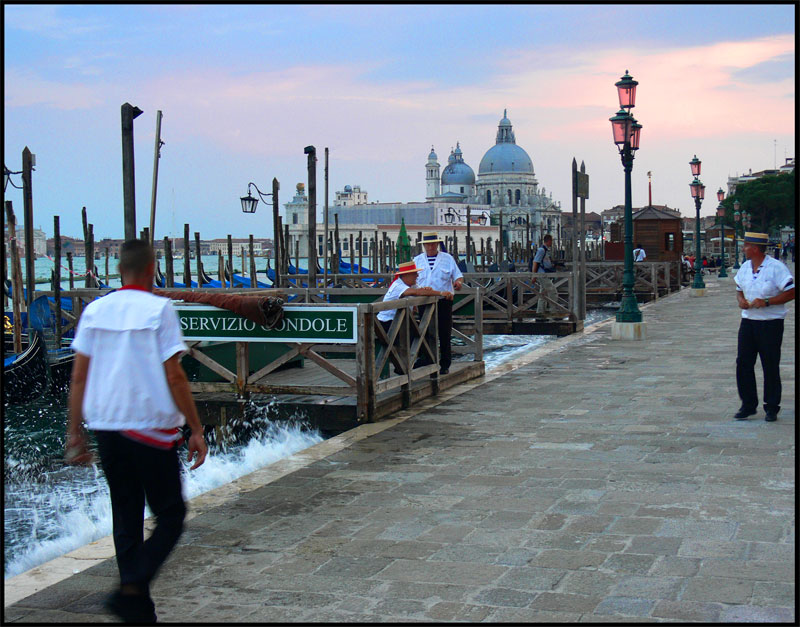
(509, 197)
(488, 197)
(517, 196)
(294, 218)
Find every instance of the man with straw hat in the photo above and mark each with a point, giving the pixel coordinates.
(404, 285)
(763, 285)
(438, 270)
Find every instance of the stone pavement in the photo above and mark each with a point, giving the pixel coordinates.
(594, 480)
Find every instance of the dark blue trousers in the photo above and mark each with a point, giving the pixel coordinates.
(759, 338)
(136, 472)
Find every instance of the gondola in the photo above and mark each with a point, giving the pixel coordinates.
(25, 373)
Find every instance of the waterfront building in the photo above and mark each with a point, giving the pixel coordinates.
(505, 182)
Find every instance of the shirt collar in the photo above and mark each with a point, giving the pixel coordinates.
(133, 287)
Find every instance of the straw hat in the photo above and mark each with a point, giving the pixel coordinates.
(406, 268)
(756, 238)
(431, 238)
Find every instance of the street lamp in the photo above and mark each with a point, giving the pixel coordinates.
(721, 214)
(626, 132)
(249, 204)
(698, 193)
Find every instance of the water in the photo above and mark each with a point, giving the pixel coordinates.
(51, 508)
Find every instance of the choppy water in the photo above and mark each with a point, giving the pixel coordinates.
(52, 509)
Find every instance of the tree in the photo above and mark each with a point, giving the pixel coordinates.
(403, 244)
(769, 199)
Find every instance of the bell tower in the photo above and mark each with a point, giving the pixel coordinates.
(432, 176)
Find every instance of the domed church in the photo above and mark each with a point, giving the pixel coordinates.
(505, 175)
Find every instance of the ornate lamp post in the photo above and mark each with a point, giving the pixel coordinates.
(626, 131)
(249, 204)
(698, 193)
(721, 213)
(736, 217)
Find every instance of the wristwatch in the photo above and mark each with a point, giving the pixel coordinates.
(766, 302)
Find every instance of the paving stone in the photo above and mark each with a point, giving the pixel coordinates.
(624, 606)
(628, 563)
(361, 567)
(517, 615)
(588, 582)
(745, 569)
(719, 589)
(753, 614)
(556, 601)
(673, 566)
(506, 597)
(688, 611)
(570, 560)
(448, 611)
(649, 587)
(712, 548)
(443, 572)
(773, 593)
(527, 578)
(654, 545)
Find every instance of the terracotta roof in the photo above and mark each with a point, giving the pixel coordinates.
(651, 213)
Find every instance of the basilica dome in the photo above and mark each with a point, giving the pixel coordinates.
(457, 172)
(505, 155)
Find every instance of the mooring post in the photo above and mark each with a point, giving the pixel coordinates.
(28, 161)
(128, 114)
(187, 262)
(276, 231)
(312, 214)
(198, 258)
(169, 279)
(57, 282)
(253, 280)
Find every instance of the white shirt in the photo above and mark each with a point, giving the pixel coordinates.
(444, 273)
(395, 291)
(772, 278)
(639, 254)
(128, 335)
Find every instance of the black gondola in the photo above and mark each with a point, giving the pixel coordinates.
(25, 374)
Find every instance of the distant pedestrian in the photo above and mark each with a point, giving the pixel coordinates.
(763, 285)
(638, 253)
(785, 251)
(543, 264)
(129, 388)
(438, 270)
(404, 285)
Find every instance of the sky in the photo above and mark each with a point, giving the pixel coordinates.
(245, 88)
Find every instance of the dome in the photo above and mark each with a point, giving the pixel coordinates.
(347, 188)
(505, 155)
(432, 156)
(457, 172)
(505, 158)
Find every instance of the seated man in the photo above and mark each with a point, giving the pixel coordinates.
(405, 284)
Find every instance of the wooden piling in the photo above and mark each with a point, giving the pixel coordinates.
(71, 273)
(253, 281)
(221, 269)
(187, 262)
(91, 280)
(107, 281)
(198, 259)
(169, 279)
(57, 270)
(360, 252)
(230, 258)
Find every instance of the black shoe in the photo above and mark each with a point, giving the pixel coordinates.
(771, 416)
(444, 371)
(131, 608)
(743, 413)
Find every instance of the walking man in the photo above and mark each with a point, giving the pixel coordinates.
(638, 253)
(439, 271)
(129, 388)
(763, 285)
(543, 263)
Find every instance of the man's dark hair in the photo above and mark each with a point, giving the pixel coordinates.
(547, 238)
(134, 257)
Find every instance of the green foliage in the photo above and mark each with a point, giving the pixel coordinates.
(770, 201)
(403, 244)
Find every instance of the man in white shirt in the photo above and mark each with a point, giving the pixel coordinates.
(404, 285)
(129, 388)
(763, 285)
(438, 270)
(543, 263)
(638, 253)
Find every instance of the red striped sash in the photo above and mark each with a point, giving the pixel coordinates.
(158, 438)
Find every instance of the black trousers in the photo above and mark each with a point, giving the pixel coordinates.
(136, 472)
(759, 338)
